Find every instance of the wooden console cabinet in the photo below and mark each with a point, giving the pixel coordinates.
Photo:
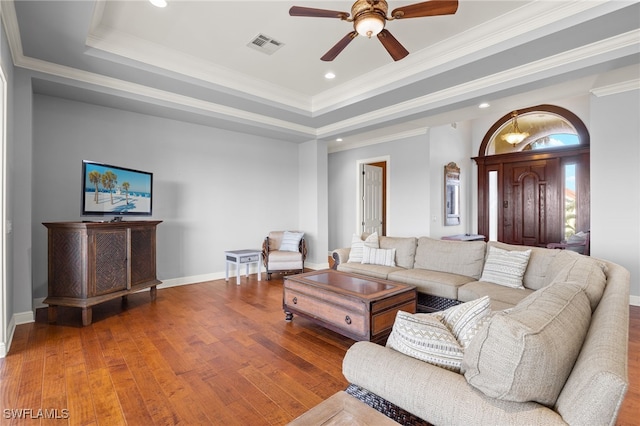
(92, 262)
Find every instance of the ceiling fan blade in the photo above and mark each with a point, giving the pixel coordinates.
(393, 46)
(339, 47)
(317, 13)
(427, 8)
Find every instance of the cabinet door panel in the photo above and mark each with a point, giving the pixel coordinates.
(110, 261)
(143, 255)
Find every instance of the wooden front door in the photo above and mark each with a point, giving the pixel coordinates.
(531, 205)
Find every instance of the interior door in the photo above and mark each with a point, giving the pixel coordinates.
(373, 177)
(531, 208)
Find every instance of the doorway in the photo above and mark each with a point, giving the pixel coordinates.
(372, 196)
(535, 192)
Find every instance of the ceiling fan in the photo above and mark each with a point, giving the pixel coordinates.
(369, 18)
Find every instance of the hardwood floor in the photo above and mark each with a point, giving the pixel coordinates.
(208, 353)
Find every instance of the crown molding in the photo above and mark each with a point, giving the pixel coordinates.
(495, 35)
(614, 89)
(468, 90)
(628, 42)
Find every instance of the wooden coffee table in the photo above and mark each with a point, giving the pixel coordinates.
(358, 307)
(342, 409)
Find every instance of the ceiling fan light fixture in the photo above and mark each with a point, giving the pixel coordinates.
(369, 24)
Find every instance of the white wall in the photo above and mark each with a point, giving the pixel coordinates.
(215, 190)
(409, 189)
(312, 203)
(615, 179)
(451, 143)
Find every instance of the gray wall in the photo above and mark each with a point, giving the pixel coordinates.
(215, 190)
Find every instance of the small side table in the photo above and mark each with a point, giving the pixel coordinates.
(239, 257)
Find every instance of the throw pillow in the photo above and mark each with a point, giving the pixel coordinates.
(466, 319)
(374, 256)
(424, 337)
(505, 267)
(357, 246)
(528, 353)
(291, 241)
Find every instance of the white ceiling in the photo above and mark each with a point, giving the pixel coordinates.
(190, 61)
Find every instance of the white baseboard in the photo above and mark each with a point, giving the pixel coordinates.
(634, 300)
(16, 319)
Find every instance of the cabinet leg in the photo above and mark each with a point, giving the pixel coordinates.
(52, 313)
(153, 292)
(288, 316)
(86, 316)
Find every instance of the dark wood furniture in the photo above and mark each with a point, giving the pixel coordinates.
(358, 307)
(92, 262)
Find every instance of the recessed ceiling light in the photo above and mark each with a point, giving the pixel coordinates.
(339, 140)
(158, 3)
(329, 75)
(484, 105)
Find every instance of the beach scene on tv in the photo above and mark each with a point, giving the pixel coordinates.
(116, 191)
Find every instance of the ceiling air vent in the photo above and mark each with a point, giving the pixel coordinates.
(265, 44)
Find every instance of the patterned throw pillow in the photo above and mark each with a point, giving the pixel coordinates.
(358, 244)
(440, 338)
(374, 256)
(291, 241)
(424, 337)
(467, 319)
(505, 267)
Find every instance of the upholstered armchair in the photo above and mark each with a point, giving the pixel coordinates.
(578, 242)
(284, 251)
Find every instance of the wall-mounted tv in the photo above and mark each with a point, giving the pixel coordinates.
(113, 191)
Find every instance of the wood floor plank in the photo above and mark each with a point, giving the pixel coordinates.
(212, 353)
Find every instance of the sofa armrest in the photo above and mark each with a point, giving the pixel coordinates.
(340, 255)
(434, 394)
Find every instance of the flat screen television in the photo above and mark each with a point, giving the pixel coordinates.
(115, 191)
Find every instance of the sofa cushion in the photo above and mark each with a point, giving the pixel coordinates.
(497, 293)
(505, 267)
(436, 283)
(457, 257)
(358, 244)
(375, 271)
(537, 274)
(425, 337)
(374, 256)
(527, 354)
(405, 249)
(589, 274)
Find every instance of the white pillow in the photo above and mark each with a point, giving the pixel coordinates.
(357, 246)
(505, 267)
(374, 256)
(291, 241)
(466, 319)
(424, 337)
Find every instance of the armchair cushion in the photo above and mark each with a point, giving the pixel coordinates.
(291, 241)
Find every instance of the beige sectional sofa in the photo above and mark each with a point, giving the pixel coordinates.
(563, 335)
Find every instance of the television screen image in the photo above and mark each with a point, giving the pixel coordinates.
(113, 190)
